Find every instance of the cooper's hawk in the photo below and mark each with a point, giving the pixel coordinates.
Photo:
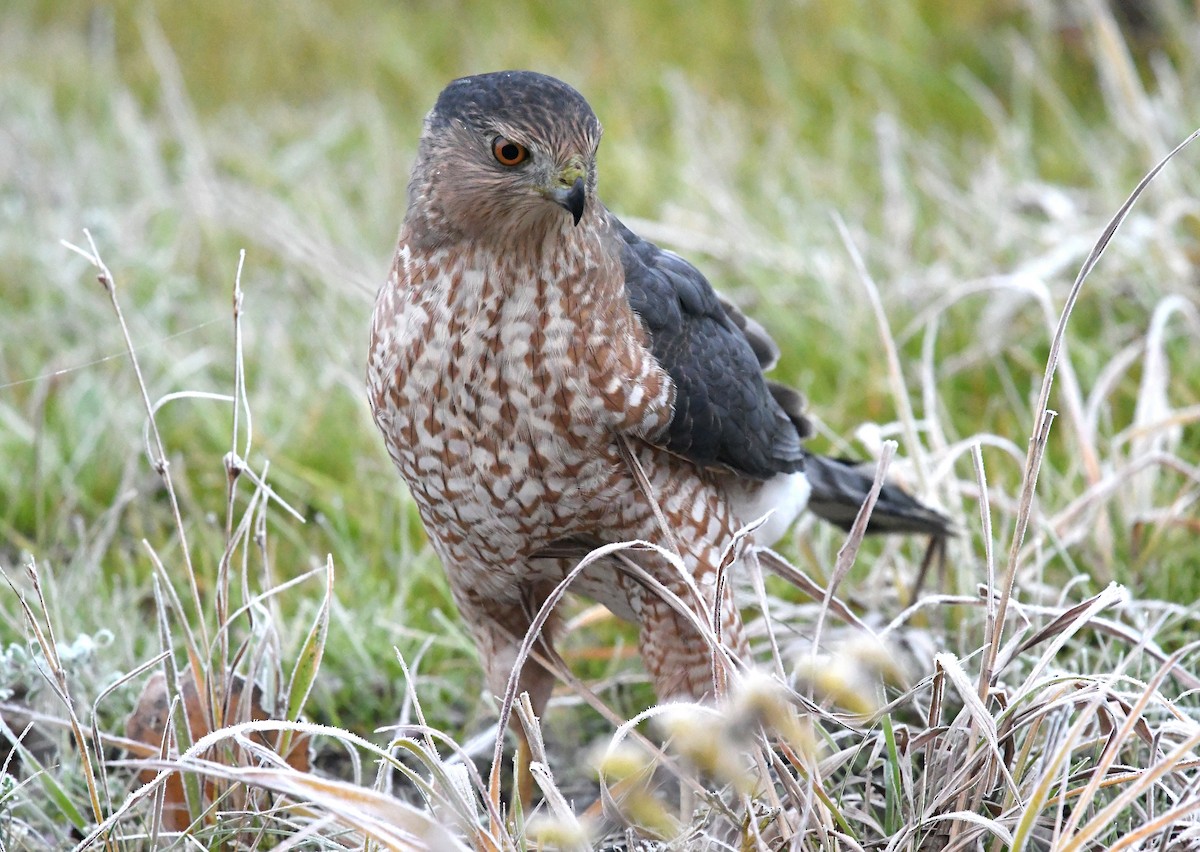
(525, 336)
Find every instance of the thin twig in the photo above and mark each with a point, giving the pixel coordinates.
(159, 460)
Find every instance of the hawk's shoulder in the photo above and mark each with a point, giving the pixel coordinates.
(726, 412)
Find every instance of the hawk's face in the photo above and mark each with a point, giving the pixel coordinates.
(502, 155)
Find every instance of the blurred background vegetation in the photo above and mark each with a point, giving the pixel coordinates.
(974, 149)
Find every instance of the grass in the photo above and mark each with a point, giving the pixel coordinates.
(974, 154)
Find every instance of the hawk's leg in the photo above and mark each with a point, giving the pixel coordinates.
(499, 628)
(690, 516)
(681, 660)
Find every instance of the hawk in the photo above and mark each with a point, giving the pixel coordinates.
(529, 353)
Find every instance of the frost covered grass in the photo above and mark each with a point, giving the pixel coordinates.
(904, 198)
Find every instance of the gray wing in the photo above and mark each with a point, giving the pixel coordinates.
(726, 413)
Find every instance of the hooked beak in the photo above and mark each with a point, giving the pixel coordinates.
(569, 188)
(575, 199)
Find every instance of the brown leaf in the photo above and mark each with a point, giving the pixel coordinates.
(148, 723)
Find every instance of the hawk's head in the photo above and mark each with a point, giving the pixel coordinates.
(502, 153)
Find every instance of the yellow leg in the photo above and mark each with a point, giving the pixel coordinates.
(523, 786)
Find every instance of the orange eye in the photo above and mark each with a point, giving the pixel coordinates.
(508, 153)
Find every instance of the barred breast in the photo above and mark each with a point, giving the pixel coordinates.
(499, 397)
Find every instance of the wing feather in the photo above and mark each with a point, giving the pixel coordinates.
(725, 411)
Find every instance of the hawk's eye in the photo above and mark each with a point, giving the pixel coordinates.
(508, 152)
